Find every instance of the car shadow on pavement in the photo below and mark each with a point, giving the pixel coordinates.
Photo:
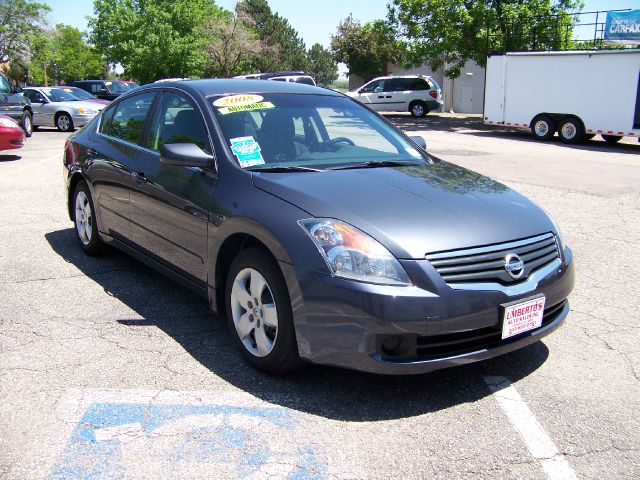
(9, 158)
(324, 391)
(472, 125)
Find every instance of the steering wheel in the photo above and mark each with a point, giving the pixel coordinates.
(335, 141)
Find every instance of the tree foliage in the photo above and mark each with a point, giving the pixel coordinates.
(153, 39)
(366, 49)
(20, 21)
(232, 44)
(287, 50)
(450, 32)
(322, 65)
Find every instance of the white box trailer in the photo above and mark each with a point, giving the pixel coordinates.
(576, 93)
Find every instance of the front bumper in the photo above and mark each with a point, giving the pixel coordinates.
(344, 323)
(80, 120)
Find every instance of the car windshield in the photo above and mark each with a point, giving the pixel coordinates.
(281, 132)
(131, 85)
(78, 92)
(115, 86)
(61, 94)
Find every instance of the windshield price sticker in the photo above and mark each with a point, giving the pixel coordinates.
(522, 317)
(237, 100)
(247, 151)
(245, 108)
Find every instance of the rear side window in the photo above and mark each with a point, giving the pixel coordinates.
(125, 120)
(375, 86)
(418, 84)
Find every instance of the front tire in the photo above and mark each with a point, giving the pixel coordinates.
(571, 131)
(259, 313)
(418, 109)
(84, 219)
(543, 127)
(26, 122)
(64, 123)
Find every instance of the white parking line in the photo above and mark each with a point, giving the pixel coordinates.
(536, 439)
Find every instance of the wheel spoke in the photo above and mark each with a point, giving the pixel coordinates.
(244, 326)
(240, 293)
(87, 230)
(257, 284)
(262, 342)
(270, 315)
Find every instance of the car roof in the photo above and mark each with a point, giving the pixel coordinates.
(416, 75)
(220, 86)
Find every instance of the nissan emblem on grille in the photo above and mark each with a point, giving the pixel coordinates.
(514, 265)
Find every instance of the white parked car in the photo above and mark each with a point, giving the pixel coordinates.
(418, 94)
(60, 107)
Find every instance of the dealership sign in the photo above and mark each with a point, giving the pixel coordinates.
(622, 28)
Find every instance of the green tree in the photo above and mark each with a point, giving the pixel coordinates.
(447, 33)
(153, 39)
(72, 58)
(322, 65)
(287, 50)
(40, 59)
(366, 49)
(19, 21)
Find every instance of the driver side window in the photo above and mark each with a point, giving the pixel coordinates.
(177, 120)
(373, 87)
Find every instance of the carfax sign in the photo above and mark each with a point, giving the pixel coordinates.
(622, 28)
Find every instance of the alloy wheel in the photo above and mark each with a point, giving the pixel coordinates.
(84, 218)
(254, 312)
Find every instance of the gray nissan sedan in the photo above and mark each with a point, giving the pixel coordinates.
(319, 230)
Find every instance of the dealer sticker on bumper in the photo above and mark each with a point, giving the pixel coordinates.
(522, 317)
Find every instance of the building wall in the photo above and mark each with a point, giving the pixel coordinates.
(464, 94)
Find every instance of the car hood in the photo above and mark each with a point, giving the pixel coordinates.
(413, 210)
(88, 104)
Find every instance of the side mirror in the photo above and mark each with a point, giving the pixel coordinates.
(185, 155)
(103, 91)
(420, 141)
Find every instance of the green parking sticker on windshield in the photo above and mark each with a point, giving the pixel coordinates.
(247, 151)
(245, 108)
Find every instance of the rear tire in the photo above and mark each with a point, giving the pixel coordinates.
(543, 127)
(26, 122)
(611, 138)
(259, 313)
(571, 130)
(418, 109)
(84, 218)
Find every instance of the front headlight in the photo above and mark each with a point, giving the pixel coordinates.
(352, 254)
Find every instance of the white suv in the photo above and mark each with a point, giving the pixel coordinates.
(417, 94)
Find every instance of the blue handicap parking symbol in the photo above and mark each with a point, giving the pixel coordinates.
(147, 440)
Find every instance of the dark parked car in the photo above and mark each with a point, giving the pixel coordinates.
(13, 104)
(103, 89)
(321, 231)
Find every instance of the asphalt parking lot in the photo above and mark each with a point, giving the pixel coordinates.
(109, 370)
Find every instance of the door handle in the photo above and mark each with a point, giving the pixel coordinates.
(380, 96)
(139, 177)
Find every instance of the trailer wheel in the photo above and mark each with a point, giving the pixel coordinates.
(543, 127)
(611, 138)
(571, 130)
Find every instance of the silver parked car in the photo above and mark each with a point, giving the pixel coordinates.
(60, 107)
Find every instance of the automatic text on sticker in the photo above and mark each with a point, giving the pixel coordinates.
(247, 151)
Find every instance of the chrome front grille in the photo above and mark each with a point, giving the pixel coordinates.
(487, 264)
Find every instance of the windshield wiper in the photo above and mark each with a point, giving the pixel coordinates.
(284, 169)
(375, 164)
